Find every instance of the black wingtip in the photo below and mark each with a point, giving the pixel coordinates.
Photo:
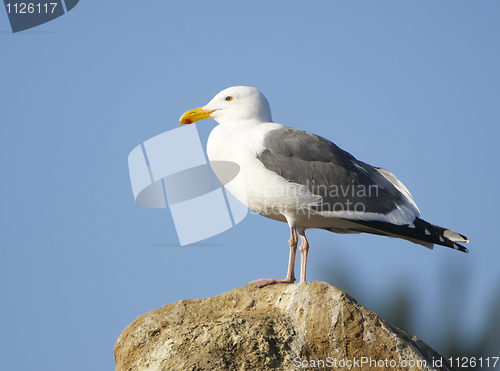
(458, 247)
(421, 231)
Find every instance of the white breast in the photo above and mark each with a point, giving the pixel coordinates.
(256, 187)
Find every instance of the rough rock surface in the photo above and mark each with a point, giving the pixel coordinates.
(311, 325)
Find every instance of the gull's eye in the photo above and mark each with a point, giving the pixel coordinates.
(229, 98)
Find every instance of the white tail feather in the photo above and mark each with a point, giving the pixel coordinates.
(455, 237)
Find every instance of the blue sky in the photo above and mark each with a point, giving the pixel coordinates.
(409, 86)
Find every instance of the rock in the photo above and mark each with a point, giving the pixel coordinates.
(312, 325)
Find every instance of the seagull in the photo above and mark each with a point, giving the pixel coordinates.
(305, 180)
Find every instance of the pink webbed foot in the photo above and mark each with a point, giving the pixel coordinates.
(269, 281)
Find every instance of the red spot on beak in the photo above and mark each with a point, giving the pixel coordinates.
(188, 121)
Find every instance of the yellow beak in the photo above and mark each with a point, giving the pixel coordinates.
(194, 115)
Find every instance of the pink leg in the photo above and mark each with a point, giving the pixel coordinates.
(304, 248)
(290, 276)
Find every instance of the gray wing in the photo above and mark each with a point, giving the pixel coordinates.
(344, 183)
